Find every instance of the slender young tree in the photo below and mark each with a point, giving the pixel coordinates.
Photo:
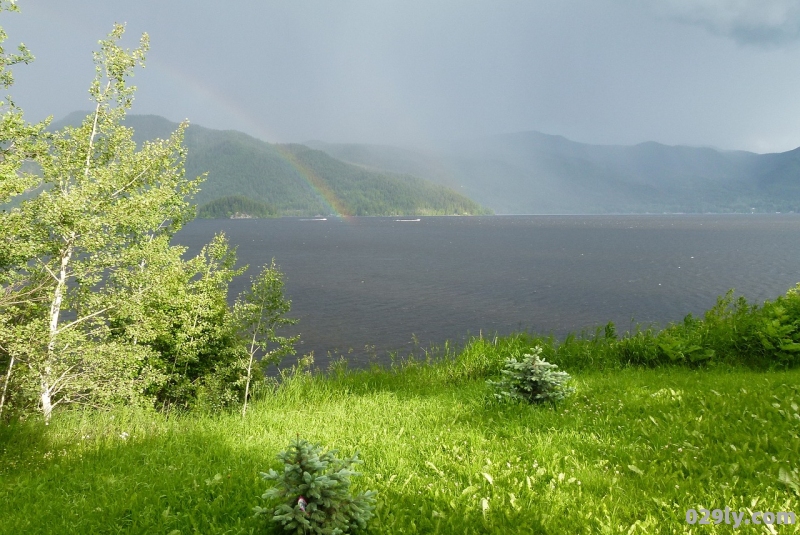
(259, 313)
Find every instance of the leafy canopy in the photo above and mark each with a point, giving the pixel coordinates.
(96, 306)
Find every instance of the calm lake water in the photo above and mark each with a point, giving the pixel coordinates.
(366, 286)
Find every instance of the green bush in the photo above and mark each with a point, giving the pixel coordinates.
(531, 379)
(780, 332)
(732, 332)
(737, 332)
(314, 492)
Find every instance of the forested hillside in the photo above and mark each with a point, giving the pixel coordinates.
(364, 192)
(293, 179)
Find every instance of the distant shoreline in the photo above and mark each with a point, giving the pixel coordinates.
(623, 214)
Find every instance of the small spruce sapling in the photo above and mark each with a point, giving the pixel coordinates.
(314, 491)
(531, 379)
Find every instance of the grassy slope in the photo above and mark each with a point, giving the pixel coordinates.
(629, 453)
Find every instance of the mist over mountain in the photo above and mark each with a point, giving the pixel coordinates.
(532, 172)
(291, 179)
(520, 173)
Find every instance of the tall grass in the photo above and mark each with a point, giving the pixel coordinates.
(637, 445)
(630, 452)
(732, 332)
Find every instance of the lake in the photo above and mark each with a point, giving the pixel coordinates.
(364, 287)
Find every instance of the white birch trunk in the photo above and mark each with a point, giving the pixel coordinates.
(5, 384)
(247, 385)
(252, 356)
(47, 380)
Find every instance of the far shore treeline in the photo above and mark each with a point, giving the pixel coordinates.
(235, 206)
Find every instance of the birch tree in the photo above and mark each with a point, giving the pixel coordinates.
(185, 321)
(258, 314)
(105, 208)
(96, 306)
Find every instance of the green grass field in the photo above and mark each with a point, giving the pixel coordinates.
(629, 452)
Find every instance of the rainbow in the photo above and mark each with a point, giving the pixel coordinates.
(330, 201)
(210, 97)
(188, 84)
(318, 185)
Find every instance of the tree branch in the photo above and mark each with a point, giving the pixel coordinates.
(93, 134)
(55, 277)
(53, 389)
(67, 326)
(129, 183)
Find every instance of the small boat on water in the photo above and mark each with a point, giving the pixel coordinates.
(315, 219)
(408, 220)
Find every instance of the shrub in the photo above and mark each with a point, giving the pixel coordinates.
(689, 342)
(531, 379)
(780, 328)
(314, 491)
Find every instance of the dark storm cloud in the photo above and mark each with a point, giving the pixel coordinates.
(748, 22)
(413, 72)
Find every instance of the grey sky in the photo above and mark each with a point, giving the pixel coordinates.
(724, 73)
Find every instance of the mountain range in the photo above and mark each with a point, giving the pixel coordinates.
(520, 173)
(532, 172)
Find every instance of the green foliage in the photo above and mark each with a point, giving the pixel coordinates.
(258, 314)
(732, 332)
(314, 490)
(204, 354)
(6, 59)
(531, 379)
(182, 318)
(780, 327)
(103, 208)
(639, 347)
(484, 357)
(235, 206)
(21, 298)
(96, 306)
